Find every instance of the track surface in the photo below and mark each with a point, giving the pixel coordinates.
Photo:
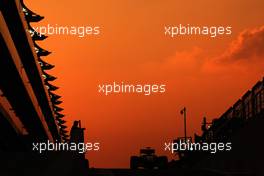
(167, 172)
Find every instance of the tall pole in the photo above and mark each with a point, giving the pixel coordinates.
(183, 112)
(185, 130)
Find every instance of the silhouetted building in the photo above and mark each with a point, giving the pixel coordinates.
(29, 106)
(24, 83)
(242, 126)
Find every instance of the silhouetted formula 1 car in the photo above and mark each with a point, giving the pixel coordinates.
(148, 160)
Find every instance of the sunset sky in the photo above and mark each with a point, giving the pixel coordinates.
(207, 75)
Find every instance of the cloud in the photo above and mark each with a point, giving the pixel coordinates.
(244, 55)
(184, 62)
(180, 64)
(248, 45)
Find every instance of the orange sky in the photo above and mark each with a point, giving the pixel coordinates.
(207, 75)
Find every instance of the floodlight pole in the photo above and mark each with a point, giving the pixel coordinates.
(185, 130)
